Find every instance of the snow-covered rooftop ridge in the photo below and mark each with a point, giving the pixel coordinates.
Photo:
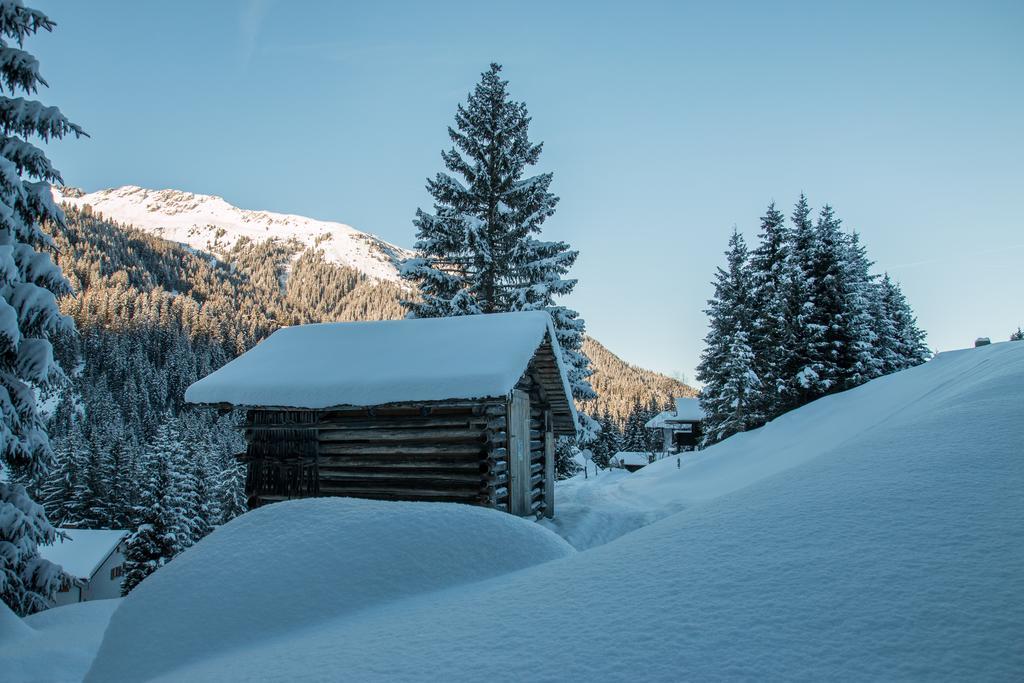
(197, 220)
(640, 458)
(82, 553)
(373, 363)
(687, 410)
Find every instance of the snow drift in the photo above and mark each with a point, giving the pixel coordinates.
(54, 645)
(290, 566)
(874, 534)
(595, 511)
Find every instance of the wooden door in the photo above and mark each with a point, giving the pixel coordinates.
(519, 454)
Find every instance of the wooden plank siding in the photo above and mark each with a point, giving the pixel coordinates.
(457, 451)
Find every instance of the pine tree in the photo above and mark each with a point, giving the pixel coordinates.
(799, 308)
(475, 254)
(771, 336)
(165, 525)
(608, 441)
(58, 491)
(862, 303)
(655, 441)
(479, 252)
(730, 397)
(29, 285)
(566, 454)
(201, 466)
(829, 351)
(908, 339)
(1018, 335)
(886, 346)
(634, 436)
(834, 326)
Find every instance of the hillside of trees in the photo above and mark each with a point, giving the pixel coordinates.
(620, 386)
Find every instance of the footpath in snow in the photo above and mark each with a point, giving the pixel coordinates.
(874, 534)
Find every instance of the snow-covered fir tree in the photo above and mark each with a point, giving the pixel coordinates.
(655, 440)
(840, 325)
(829, 350)
(799, 307)
(1018, 335)
(58, 491)
(634, 438)
(567, 458)
(908, 344)
(165, 515)
(608, 441)
(730, 397)
(480, 250)
(29, 316)
(771, 336)
(863, 297)
(886, 347)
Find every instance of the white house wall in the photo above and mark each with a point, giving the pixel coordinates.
(100, 586)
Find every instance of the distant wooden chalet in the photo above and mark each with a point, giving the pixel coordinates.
(680, 427)
(462, 409)
(93, 564)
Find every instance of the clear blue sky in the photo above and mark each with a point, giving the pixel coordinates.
(665, 125)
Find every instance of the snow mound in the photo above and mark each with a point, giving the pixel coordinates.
(61, 642)
(205, 221)
(11, 625)
(887, 546)
(667, 486)
(295, 564)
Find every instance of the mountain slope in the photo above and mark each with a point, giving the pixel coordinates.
(257, 286)
(618, 383)
(211, 224)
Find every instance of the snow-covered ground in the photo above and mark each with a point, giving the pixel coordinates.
(205, 221)
(53, 646)
(875, 534)
(286, 568)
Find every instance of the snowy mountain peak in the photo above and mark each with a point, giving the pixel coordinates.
(209, 222)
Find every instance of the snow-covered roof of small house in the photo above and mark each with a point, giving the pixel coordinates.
(687, 410)
(640, 458)
(84, 551)
(328, 365)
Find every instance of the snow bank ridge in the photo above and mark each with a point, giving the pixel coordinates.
(290, 566)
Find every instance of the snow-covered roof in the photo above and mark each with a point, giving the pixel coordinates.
(374, 363)
(633, 458)
(82, 553)
(687, 410)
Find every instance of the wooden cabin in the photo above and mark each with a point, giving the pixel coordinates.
(462, 409)
(680, 428)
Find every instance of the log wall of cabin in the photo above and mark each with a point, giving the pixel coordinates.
(442, 451)
(438, 452)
